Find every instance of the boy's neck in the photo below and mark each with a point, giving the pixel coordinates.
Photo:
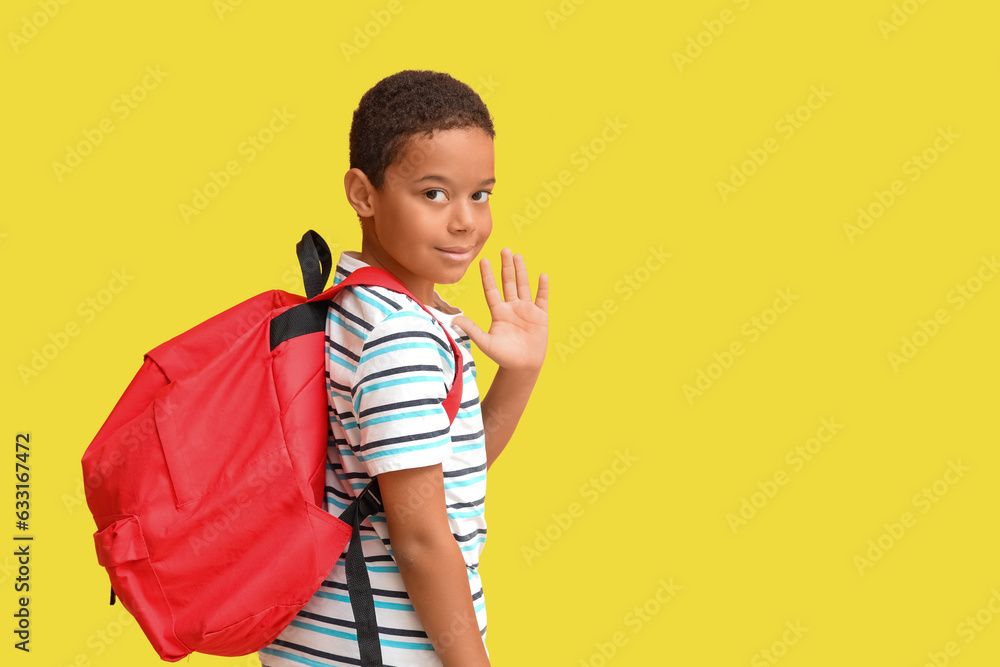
(423, 290)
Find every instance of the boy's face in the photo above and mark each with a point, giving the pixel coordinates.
(432, 216)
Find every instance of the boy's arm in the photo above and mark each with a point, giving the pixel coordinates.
(503, 406)
(516, 341)
(431, 563)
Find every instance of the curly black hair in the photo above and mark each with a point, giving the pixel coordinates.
(403, 105)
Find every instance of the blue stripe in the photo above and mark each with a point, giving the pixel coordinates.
(335, 501)
(394, 383)
(372, 302)
(342, 362)
(470, 413)
(336, 318)
(417, 313)
(403, 450)
(354, 637)
(399, 381)
(465, 482)
(400, 416)
(387, 568)
(295, 658)
(409, 346)
(471, 547)
(378, 603)
(339, 394)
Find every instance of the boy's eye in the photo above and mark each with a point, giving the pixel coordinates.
(432, 195)
(485, 195)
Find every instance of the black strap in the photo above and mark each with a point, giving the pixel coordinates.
(299, 320)
(358, 585)
(315, 261)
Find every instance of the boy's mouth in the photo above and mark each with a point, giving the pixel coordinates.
(457, 253)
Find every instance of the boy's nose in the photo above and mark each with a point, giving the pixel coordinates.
(462, 218)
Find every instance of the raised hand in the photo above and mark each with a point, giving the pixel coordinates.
(519, 332)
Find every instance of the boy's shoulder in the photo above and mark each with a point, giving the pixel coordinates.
(373, 332)
(380, 307)
(364, 309)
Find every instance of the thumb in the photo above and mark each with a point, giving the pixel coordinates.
(477, 335)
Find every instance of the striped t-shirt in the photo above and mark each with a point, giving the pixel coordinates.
(389, 367)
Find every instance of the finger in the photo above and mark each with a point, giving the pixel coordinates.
(542, 297)
(490, 290)
(521, 277)
(477, 335)
(507, 275)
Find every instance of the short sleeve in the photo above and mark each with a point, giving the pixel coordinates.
(404, 374)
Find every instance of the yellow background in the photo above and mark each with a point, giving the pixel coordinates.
(619, 358)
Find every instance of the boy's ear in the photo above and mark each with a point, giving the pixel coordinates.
(360, 193)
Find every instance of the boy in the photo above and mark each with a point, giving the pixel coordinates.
(421, 158)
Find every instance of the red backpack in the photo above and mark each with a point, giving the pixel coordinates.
(207, 480)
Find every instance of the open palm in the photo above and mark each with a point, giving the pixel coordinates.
(519, 332)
